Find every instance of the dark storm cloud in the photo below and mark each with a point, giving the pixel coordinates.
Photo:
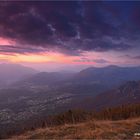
(9, 49)
(70, 27)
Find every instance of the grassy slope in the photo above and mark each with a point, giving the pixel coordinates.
(122, 129)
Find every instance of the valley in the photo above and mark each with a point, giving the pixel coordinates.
(43, 94)
(69, 69)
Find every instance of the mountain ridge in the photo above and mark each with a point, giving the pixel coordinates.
(11, 73)
(128, 93)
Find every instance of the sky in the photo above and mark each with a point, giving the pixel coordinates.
(70, 35)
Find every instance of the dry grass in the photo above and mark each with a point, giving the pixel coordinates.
(123, 129)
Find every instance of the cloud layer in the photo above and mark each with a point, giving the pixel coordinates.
(69, 27)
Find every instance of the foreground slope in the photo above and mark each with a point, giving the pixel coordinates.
(121, 122)
(122, 129)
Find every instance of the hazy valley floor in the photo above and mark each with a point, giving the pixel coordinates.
(122, 129)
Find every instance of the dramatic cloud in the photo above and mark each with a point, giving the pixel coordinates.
(69, 27)
(9, 49)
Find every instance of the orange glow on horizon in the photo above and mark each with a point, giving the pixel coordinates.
(46, 57)
(42, 58)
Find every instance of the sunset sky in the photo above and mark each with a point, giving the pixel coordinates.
(70, 35)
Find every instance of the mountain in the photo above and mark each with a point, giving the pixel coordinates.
(10, 73)
(88, 81)
(46, 78)
(127, 93)
(110, 76)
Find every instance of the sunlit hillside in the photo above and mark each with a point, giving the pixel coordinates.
(123, 129)
(113, 123)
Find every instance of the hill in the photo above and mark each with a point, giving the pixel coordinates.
(105, 76)
(46, 78)
(110, 75)
(113, 123)
(124, 129)
(9, 73)
(127, 93)
(88, 81)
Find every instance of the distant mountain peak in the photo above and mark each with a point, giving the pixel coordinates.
(112, 66)
(97, 68)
